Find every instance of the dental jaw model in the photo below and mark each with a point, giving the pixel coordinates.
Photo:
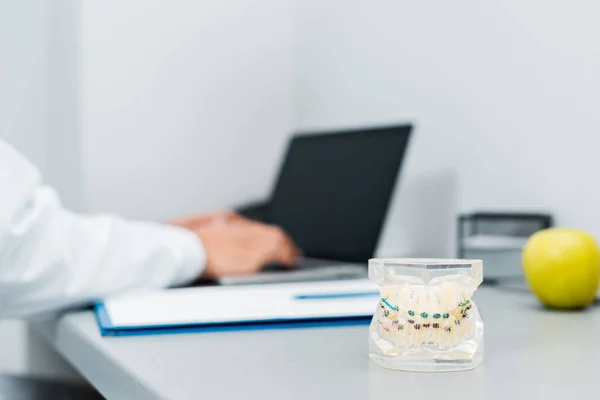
(426, 319)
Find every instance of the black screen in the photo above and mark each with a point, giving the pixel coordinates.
(334, 189)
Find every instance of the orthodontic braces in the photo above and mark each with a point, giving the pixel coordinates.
(463, 307)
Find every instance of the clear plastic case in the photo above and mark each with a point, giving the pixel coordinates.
(426, 319)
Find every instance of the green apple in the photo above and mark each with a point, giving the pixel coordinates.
(562, 267)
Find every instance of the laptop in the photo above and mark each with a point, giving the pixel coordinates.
(331, 196)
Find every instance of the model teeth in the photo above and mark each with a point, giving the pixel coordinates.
(437, 316)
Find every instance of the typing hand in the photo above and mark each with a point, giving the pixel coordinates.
(243, 248)
(235, 245)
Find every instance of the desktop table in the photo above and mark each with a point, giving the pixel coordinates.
(530, 353)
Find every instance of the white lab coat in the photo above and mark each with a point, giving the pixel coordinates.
(51, 258)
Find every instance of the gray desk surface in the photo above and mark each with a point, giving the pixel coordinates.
(530, 353)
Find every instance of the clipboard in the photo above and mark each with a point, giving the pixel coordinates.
(238, 308)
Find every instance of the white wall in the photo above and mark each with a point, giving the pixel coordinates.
(186, 104)
(505, 96)
(64, 167)
(22, 76)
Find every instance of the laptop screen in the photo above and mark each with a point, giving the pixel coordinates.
(334, 190)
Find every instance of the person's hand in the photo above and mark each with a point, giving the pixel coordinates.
(243, 247)
(235, 245)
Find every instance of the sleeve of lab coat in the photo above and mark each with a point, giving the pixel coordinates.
(51, 258)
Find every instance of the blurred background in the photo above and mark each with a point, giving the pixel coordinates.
(154, 109)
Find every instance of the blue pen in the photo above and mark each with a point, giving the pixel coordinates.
(328, 296)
